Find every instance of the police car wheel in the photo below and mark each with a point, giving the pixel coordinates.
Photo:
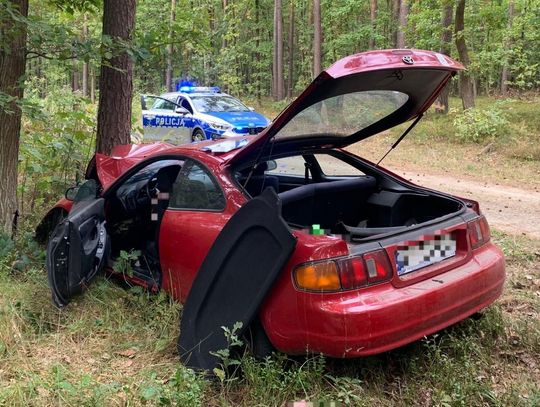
(198, 135)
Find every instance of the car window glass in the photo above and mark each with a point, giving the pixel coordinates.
(163, 104)
(87, 190)
(343, 115)
(218, 103)
(196, 188)
(334, 167)
(289, 166)
(140, 179)
(184, 103)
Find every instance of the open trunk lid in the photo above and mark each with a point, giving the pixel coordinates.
(357, 97)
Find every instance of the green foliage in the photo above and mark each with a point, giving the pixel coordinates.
(56, 145)
(183, 388)
(123, 263)
(478, 125)
(227, 371)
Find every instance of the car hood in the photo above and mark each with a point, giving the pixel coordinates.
(357, 97)
(242, 119)
(109, 168)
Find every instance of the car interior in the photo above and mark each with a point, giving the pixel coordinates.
(358, 200)
(136, 209)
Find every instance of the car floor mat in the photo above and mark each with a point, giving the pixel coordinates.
(234, 279)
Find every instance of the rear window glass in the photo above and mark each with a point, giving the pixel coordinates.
(334, 167)
(343, 115)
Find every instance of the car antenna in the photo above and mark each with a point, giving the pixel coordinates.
(402, 137)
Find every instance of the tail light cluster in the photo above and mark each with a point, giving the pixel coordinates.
(344, 274)
(478, 230)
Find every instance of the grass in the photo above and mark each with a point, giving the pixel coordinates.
(116, 346)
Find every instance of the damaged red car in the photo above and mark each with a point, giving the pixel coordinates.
(312, 248)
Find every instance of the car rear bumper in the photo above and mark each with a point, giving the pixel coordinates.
(375, 320)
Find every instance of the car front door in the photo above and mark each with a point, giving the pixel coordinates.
(196, 214)
(79, 246)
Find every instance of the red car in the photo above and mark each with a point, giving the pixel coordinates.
(313, 248)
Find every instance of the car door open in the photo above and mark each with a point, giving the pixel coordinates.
(77, 250)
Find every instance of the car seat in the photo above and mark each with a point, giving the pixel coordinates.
(259, 180)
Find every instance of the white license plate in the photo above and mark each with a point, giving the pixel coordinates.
(416, 255)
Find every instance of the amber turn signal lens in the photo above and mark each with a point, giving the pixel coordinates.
(318, 277)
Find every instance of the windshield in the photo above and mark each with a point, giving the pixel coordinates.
(343, 115)
(214, 103)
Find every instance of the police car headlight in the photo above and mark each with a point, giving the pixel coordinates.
(220, 126)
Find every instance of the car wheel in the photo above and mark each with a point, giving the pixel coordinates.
(257, 340)
(198, 135)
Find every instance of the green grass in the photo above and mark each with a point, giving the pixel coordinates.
(116, 346)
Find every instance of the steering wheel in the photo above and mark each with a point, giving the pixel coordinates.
(150, 187)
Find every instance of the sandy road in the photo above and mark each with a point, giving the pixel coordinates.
(510, 209)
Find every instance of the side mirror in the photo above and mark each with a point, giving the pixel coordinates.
(251, 108)
(181, 110)
(71, 193)
(271, 165)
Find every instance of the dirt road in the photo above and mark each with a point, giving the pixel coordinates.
(510, 209)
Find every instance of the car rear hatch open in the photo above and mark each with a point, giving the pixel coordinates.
(357, 97)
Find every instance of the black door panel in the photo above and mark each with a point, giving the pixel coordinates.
(77, 250)
(234, 279)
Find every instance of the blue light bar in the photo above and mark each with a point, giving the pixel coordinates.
(199, 89)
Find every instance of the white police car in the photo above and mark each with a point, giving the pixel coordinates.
(198, 113)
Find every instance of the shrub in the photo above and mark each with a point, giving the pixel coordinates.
(479, 125)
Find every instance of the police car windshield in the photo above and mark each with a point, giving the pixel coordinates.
(218, 103)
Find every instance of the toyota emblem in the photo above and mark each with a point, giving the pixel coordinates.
(408, 60)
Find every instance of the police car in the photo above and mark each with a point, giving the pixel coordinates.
(197, 113)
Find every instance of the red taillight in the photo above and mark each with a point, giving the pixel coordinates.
(353, 272)
(478, 230)
(378, 267)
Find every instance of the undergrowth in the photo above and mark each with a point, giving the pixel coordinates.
(117, 346)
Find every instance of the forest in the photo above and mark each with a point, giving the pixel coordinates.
(255, 49)
(71, 76)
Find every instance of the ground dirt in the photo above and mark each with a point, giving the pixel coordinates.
(507, 208)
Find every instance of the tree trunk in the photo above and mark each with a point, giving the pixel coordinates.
(85, 69)
(12, 69)
(170, 49)
(278, 46)
(373, 19)
(274, 53)
(465, 82)
(290, 82)
(317, 38)
(446, 46)
(507, 48)
(402, 24)
(75, 76)
(92, 85)
(116, 78)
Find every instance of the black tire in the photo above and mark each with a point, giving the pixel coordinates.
(198, 135)
(257, 340)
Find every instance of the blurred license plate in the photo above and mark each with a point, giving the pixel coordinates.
(416, 255)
